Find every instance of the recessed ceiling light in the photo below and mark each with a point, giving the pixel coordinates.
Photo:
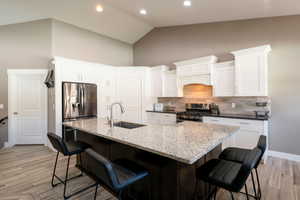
(187, 3)
(99, 8)
(143, 12)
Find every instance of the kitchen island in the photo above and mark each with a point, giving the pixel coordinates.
(171, 153)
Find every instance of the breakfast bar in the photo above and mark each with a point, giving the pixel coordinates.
(171, 153)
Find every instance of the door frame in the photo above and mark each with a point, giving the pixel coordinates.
(11, 73)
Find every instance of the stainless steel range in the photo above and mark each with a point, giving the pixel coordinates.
(194, 112)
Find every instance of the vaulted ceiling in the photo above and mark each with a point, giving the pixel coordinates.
(112, 22)
(172, 12)
(121, 19)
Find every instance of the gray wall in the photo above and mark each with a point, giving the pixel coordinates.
(169, 44)
(72, 42)
(22, 46)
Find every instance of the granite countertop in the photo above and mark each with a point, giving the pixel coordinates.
(224, 115)
(237, 116)
(185, 142)
(167, 111)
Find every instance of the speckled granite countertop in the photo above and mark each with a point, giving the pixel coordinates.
(166, 111)
(184, 142)
(222, 115)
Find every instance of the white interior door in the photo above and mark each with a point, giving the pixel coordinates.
(27, 107)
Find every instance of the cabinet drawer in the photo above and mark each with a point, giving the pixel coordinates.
(251, 125)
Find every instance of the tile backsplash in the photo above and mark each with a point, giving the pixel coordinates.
(227, 105)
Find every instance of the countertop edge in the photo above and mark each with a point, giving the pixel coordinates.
(189, 161)
(219, 116)
(139, 147)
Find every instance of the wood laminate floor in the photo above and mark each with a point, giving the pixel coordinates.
(25, 174)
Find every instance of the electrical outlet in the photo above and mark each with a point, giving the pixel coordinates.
(1, 106)
(233, 105)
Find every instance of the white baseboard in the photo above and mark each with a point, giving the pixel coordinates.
(282, 155)
(6, 145)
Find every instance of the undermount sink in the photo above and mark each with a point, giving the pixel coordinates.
(128, 125)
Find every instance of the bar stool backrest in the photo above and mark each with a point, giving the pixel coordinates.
(247, 166)
(251, 159)
(262, 143)
(102, 169)
(58, 143)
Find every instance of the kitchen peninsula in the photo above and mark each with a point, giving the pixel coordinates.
(171, 153)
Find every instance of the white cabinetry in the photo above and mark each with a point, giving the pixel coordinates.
(251, 71)
(195, 71)
(131, 90)
(224, 79)
(126, 84)
(169, 84)
(247, 136)
(161, 118)
(163, 82)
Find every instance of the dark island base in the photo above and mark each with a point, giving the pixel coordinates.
(169, 179)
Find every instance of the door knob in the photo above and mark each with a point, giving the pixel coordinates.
(15, 113)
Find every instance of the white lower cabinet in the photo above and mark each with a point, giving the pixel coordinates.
(248, 135)
(161, 118)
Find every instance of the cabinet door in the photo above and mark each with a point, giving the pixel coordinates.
(246, 137)
(251, 75)
(161, 118)
(224, 81)
(170, 84)
(130, 92)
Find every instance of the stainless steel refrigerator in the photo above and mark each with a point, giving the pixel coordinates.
(79, 100)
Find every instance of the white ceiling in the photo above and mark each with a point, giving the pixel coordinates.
(121, 19)
(172, 12)
(112, 22)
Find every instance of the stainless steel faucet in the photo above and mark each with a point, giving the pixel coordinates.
(111, 119)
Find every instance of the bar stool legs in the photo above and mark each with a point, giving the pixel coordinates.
(246, 190)
(66, 178)
(95, 197)
(120, 195)
(54, 170)
(64, 182)
(258, 183)
(254, 186)
(232, 197)
(58, 178)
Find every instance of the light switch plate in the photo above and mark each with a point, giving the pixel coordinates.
(1, 106)
(233, 105)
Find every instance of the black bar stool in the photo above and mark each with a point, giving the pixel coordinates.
(113, 176)
(67, 149)
(231, 176)
(239, 155)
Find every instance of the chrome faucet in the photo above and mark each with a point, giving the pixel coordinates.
(111, 119)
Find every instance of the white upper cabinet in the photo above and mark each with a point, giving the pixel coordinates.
(163, 82)
(251, 71)
(170, 84)
(156, 78)
(224, 79)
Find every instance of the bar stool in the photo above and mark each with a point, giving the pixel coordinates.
(231, 176)
(67, 149)
(239, 155)
(113, 176)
